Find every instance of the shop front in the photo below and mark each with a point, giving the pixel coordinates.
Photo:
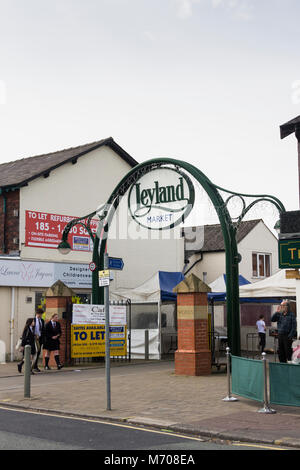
(23, 286)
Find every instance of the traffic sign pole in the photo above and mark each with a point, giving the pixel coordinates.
(107, 339)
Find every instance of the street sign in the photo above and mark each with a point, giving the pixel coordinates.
(289, 253)
(115, 263)
(92, 266)
(104, 278)
(292, 274)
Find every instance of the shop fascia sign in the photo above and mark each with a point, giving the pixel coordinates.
(161, 199)
(19, 273)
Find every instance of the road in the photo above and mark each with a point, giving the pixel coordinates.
(26, 430)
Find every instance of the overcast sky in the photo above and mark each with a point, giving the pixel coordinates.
(205, 81)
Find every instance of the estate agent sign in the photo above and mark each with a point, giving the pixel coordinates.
(44, 230)
(88, 330)
(89, 340)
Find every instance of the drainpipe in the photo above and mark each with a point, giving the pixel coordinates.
(12, 324)
(197, 261)
(4, 219)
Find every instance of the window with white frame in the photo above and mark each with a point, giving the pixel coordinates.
(261, 265)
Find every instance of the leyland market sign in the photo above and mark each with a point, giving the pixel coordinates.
(161, 199)
(160, 196)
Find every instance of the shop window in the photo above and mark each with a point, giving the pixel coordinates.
(81, 299)
(40, 300)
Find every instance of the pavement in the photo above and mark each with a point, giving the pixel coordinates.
(148, 393)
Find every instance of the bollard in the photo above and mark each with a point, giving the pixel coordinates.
(27, 370)
(266, 408)
(147, 345)
(2, 352)
(229, 397)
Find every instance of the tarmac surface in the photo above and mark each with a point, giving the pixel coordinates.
(149, 393)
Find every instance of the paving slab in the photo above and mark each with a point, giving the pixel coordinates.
(150, 394)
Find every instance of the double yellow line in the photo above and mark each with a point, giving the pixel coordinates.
(162, 431)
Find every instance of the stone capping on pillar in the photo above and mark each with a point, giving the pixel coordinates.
(56, 297)
(191, 284)
(59, 289)
(193, 356)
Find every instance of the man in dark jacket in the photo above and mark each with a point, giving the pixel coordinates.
(39, 335)
(287, 330)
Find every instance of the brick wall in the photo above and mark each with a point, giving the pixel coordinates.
(59, 305)
(9, 221)
(193, 356)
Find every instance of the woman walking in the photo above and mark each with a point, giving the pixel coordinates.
(28, 337)
(53, 333)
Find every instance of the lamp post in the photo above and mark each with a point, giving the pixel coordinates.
(64, 248)
(277, 227)
(100, 295)
(290, 127)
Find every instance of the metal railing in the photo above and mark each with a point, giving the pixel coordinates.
(252, 348)
(217, 343)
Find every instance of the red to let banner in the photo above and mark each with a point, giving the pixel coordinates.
(43, 230)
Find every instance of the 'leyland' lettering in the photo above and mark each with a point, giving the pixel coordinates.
(159, 194)
(161, 199)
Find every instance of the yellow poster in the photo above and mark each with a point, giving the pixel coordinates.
(89, 340)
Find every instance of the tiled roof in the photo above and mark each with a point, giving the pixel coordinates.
(211, 239)
(20, 172)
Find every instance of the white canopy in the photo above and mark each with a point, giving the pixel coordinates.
(148, 291)
(158, 287)
(273, 286)
(218, 287)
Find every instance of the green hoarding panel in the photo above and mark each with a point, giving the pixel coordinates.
(284, 384)
(247, 378)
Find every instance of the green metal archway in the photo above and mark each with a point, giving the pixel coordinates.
(229, 229)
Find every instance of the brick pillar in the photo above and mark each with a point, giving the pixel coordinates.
(193, 356)
(58, 299)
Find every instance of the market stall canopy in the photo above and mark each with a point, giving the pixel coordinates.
(273, 286)
(218, 287)
(158, 288)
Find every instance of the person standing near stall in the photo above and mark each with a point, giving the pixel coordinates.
(52, 333)
(261, 329)
(287, 330)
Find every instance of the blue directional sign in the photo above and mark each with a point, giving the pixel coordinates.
(115, 263)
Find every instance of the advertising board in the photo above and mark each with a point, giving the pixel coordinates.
(89, 340)
(89, 313)
(44, 230)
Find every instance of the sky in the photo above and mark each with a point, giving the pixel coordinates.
(204, 81)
